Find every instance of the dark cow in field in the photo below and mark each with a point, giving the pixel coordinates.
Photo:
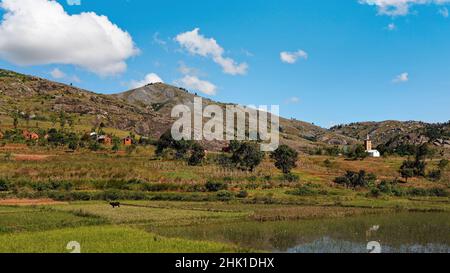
(115, 204)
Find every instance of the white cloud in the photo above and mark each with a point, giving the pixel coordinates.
(73, 2)
(444, 12)
(197, 44)
(39, 32)
(60, 75)
(292, 57)
(57, 73)
(187, 70)
(391, 27)
(148, 79)
(399, 7)
(404, 77)
(194, 83)
(293, 100)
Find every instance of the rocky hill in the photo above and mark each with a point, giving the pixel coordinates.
(146, 111)
(394, 133)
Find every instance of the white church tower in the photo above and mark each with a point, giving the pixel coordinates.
(369, 148)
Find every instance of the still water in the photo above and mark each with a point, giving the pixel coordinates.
(397, 232)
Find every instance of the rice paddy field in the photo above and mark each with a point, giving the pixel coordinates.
(49, 198)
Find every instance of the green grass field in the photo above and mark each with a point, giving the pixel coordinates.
(159, 196)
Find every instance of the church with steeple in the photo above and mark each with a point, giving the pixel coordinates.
(369, 149)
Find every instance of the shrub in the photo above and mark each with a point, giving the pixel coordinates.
(4, 185)
(242, 194)
(290, 177)
(224, 195)
(157, 187)
(197, 155)
(212, 186)
(375, 192)
(356, 179)
(358, 152)
(302, 191)
(434, 175)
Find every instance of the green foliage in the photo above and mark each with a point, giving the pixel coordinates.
(242, 194)
(411, 168)
(247, 156)
(285, 158)
(356, 153)
(197, 155)
(192, 151)
(4, 185)
(224, 195)
(434, 175)
(214, 186)
(290, 177)
(356, 179)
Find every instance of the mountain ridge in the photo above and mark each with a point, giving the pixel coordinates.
(146, 111)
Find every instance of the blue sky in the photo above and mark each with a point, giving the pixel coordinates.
(345, 60)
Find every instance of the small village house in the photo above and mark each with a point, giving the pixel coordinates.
(104, 139)
(127, 141)
(30, 135)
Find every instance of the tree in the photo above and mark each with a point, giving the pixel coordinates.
(407, 170)
(73, 145)
(197, 155)
(165, 141)
(359, 152)
(356, 179)
(285, 158)
(247, 157)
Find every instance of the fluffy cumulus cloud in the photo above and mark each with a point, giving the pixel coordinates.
(194, 83)
(292, 57)
(39, 32)
(391, 27)
(197, 44)
(57, 74)
(399, 7)
(404, 77)
(148, 79)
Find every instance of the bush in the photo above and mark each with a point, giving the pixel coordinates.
(4, 185)
(434, 175)
(356, 179)
(224, 195)
(212, 186)
(375, 192)
(157, 187)
(290, 177)
(302, 191)
(197, 155)
(242, 194)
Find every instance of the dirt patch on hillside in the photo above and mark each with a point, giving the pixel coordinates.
(14, 147)
(28, 202)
